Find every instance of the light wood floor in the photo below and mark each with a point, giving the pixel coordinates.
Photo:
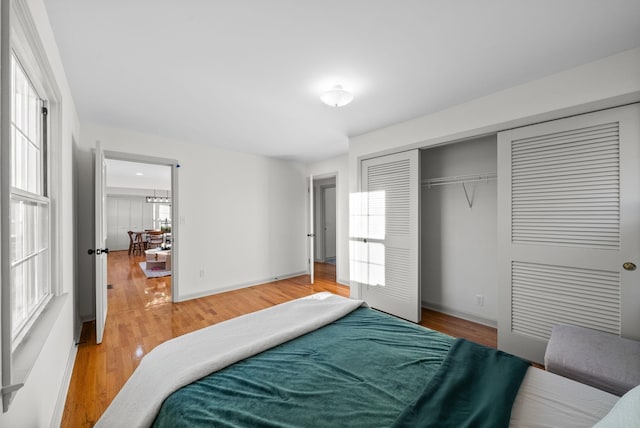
(141, 316)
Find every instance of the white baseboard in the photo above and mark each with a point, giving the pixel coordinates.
(56, 418)
(238, 286)
(343, 282)
(465, 316)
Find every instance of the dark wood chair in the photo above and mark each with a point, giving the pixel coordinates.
(136, 243)
(155, 238)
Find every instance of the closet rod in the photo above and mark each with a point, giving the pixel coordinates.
(440, 181)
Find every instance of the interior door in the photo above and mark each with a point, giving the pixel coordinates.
(311, 235)
(385, 234)
(101, 250)
(329, 204)
(568, 219)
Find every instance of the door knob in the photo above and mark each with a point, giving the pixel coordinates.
(629, 266)
(98, 251)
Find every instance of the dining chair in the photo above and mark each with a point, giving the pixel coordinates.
(135, 243)
(155, 238)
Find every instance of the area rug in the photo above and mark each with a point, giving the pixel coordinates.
(153, 273)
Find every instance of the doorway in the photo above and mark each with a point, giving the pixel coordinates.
(324, 207)
(139, 223)
(139, 202)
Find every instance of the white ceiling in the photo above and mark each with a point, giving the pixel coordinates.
(246, 74)
(125, 174)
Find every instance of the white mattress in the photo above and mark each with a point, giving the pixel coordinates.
(548, 400)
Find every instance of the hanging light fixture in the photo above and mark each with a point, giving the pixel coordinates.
(159, 199)
(336, 97)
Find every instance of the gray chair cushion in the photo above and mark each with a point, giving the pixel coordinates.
(599, 359)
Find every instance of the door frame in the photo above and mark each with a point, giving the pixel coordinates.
(310, 205)
(175, 212)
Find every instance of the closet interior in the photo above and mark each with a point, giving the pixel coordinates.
(458, 255)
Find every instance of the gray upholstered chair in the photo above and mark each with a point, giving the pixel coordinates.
(602, 360)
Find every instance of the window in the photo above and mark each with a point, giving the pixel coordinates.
(31, 291)
(30, 275)
(162, 217)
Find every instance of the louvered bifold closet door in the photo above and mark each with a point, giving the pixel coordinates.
(390, 185)
(568, 196)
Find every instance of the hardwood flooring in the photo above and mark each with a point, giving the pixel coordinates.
(141, 316)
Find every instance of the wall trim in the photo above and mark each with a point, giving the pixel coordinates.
(56, 418)
(239, 286)
(344, 282)
(465, 316)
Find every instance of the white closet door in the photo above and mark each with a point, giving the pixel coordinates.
(124, 222)
(388, 242)
(568, 215)
(137, 222)
(113, 239)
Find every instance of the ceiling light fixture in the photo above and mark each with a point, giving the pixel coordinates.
(139, 173)
(336, 97)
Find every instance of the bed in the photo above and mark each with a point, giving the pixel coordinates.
(329, 361)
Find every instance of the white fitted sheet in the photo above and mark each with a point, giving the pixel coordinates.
(548, 400)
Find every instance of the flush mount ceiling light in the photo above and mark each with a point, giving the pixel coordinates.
(336, 97)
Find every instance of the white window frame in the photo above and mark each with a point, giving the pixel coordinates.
(41, 199)
(159, 222)
(20, 36)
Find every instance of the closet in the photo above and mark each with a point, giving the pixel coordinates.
(459, 229)
(526, 228)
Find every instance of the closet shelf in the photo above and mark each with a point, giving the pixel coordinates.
(457, 179)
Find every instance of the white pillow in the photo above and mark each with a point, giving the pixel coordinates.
(625, 413)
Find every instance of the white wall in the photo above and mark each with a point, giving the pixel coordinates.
(604, 83)
(459, 244)
(338, 167)
(242, 216)
(35, 404)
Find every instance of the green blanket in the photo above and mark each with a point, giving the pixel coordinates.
(363, 370)
(474, 387)
(360, 371)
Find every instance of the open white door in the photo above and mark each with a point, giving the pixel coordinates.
(100, 242)
(311, 235)
(568, 228)
(385, 234)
